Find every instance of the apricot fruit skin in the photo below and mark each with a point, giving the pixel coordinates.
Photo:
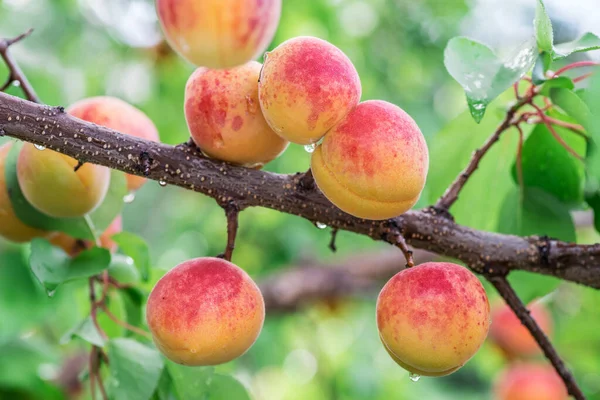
(11, 227)
(512, 337)
(307, 85)
(219, 33)
(374, 163)
(530, 382)
(116, 114)
(73, 247)
(433, 318)
(224, 117)
(205, 311)
(50, 183)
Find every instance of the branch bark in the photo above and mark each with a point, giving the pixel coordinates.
(184, 166)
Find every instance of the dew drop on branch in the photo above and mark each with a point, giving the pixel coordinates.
(321, 225)
(162, 183)
(39, 147)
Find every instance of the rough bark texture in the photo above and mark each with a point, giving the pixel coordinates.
(184, 166)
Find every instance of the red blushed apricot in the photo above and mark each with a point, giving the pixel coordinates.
(50, 183)
(512, 337)
(205, 311)
(433, 318)
(530, 382)
(307, 86)
(374, 163)
(224, 117)
(11, 227)
(73, 246)
(219, 33)
(120, 116)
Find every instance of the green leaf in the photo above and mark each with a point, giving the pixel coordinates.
(75, 227)
(571, 104)
(539, 213)
(481, 73)
(532, 286)
(587, 42)
(543, 28)
(548, 166)
(122, 268)
(85, 330)
(203, 383)
(135, 370)
(593, 200)
(560, 82)
(133, 300)
(542, 64)
(52, 266)
(137, 248)
(451, 150)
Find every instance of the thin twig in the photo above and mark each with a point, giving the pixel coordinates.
(558, 138)
(15, 72)
(511, 298)
(232, 213)
(582, 77)
(332, 246)
(575, 128)
(578, 64)
(79, 165)
(100, 383)
(94, 309)
(124, 324)
(91, 372)
(520, 162)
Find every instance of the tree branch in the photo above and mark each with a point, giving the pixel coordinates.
(183, 166)
(15, 73)
(508, 294)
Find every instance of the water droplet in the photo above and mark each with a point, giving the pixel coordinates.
(414, 377)
(310, 148)
(16, 83)
(129, 198)
(162, 183)
(51, 293)
(321, 225)
(39, 147)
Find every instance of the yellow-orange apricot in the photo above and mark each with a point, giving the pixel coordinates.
(224, 117)
(120, 116)
(73, 246)
(373, 164)
(219, 33)
(205, 311)
(307, 85)
(530, 382)
(512, 337)
(50, 183)
(11, 227)
(433, 318)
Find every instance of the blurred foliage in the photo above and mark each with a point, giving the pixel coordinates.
(84, 48)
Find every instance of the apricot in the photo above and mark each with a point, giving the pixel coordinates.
(374, 163)
(74, 246)
(307, 86)
(512, 337)
(50, 183)
(530, 382)
(433, 318)
(11, 227)
(205, 311)
(120, 116)
(224, 117)
(219, 33)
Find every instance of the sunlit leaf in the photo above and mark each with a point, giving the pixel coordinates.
(587, 42)
(543, 28)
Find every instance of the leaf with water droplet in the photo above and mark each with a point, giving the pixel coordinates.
(52, 266)
(482, 74)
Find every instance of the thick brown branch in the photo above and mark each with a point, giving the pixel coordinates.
(185, 167)
(511, 298)
(15, 73)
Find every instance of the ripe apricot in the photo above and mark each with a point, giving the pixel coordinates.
(512, 337)
(219, 33)
(50, 183)
(224, 117)
(11, 227)
(73, 246)
(530, 382)
(205, 311)
(433, 318)
(307, 86)
(373, 164)
(116, 114)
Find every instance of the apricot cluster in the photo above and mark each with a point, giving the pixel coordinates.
(57, 186)
(433, 318)
(205, 311)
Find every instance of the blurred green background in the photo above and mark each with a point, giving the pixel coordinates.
(114, 47)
